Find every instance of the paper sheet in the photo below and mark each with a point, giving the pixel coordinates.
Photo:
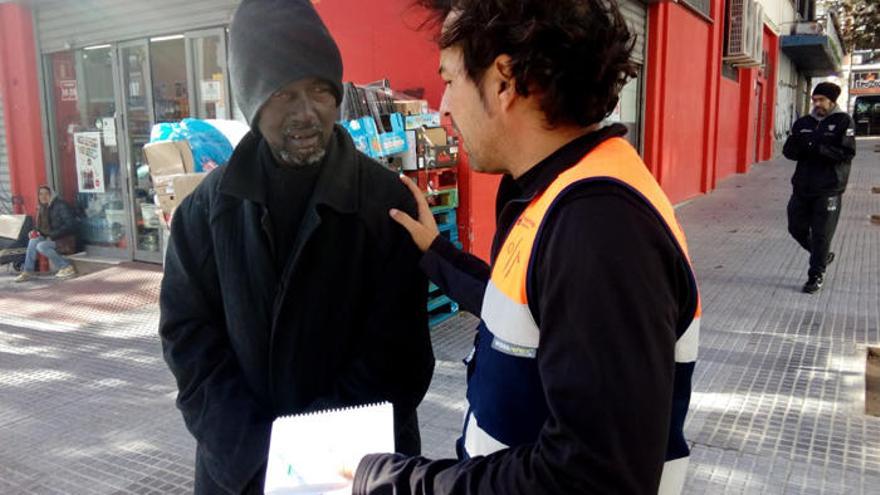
(307, 452)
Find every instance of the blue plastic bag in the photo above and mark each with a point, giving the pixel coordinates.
(210, 148)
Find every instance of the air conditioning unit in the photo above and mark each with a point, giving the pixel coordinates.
(745, 34)
(737, 31)
(758, 46)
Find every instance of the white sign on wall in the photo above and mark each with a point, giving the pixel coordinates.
(89, 162)
(68, 90)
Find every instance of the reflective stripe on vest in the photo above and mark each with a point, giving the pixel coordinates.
(505, 310)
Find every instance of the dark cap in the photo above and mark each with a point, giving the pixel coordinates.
(274, 43)
(828, 90)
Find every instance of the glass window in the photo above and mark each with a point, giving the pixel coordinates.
(702, 6)
(84, 103)
(209, 62)
(628, 110)
(170, 87)
(135, 89)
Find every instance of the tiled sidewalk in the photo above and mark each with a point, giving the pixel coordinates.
(778, 404)
(86, 402)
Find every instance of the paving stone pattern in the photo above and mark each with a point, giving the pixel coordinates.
(87, 404)
(778, 403)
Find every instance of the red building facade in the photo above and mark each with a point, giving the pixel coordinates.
(701, 122)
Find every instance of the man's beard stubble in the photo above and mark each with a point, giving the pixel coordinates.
(290, 159)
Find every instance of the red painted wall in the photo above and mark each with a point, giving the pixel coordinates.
(21, 101)
(747, 121)
(771, 44)
(66, 120)
(699, 126)
(680, 100)
(728, 129)
(382, 41)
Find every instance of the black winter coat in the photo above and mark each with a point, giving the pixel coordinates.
(345, 324)
(824, 151)
(62, 220)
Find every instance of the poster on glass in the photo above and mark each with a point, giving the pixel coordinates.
(89, 162)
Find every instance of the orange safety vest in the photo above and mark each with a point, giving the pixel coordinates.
(506, 312)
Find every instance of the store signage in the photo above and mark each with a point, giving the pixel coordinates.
(108, 130)
(865, 83)
(89, 162)
(211, 91)
(68, 90)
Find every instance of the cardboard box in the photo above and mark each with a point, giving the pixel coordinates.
(169, 158)
(181, 186)
(164, 184)
(434, 136)
(376, 142)
(11, 226)
(393, 140)
(167, 203)
(441, 156)
(411, 107)
(185, 184)
(410, 159)
(430, 119)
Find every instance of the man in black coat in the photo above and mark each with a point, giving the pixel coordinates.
(55, 234)
(823, 144)
(287, 287)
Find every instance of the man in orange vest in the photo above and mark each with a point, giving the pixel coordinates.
(580, 377)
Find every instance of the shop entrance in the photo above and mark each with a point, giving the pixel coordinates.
(105, 101)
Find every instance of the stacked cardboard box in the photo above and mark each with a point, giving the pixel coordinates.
(430, 147)
(171, 168)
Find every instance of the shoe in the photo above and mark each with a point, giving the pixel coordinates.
(23, 277)
(814, 283)
(830, 258)
(67, 272)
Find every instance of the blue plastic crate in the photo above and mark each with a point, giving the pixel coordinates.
(448, 217)
(442, 312)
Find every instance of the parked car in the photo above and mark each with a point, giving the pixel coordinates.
(866, 113)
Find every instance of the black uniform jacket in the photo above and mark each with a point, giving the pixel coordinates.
(824, 150)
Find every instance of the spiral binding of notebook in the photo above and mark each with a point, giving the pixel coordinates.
(307, 452)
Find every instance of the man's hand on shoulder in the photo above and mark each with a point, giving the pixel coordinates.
(424, 230)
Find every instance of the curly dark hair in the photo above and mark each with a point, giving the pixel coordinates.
(573, 54)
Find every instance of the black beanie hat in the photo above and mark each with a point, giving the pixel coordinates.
(828, 90)
(274, 43)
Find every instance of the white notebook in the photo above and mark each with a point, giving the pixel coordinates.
(308, 451)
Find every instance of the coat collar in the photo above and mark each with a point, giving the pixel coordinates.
(539, 177)
(338, 182)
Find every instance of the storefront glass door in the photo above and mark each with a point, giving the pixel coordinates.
(134, 58)
(209, 86)
(87, 147)
(170, 78)
(105, 101)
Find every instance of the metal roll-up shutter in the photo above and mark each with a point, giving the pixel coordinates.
(5, 182)
(62, 24)
(636, 14)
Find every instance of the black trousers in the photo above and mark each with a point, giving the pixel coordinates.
(812, 221)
